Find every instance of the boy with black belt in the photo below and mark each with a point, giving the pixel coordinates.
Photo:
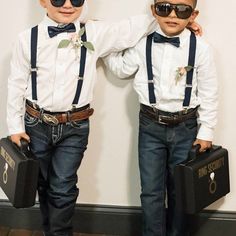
(177, 87)
(49, 71)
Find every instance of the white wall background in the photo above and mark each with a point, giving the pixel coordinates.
(109, 172)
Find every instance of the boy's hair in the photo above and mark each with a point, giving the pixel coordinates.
(194, 3)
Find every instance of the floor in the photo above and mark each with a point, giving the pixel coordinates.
(22, 232)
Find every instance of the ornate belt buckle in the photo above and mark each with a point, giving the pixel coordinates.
(50, 119)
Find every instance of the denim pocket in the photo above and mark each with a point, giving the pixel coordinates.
(144, 120)
(30, 121)
(81, 124)
(190, 124)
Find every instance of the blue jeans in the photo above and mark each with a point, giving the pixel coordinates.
(60, 150)
(160, 149)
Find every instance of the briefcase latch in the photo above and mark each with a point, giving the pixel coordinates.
(5, 175)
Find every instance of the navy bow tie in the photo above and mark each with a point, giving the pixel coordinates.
(158, 38)
(53, 30)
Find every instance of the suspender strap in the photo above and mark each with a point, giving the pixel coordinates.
(83, 53)
(34, 41)
(152, 98)
(189, 78)
(191, 62)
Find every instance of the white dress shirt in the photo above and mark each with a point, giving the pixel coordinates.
(58, 69)
(166, 59)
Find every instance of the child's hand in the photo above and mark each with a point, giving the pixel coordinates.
(203, 143)
(195, 27)
(15, 138)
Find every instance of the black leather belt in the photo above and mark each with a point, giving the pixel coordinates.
(168, 118)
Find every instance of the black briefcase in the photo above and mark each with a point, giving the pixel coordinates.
(202, 179)
(18, 173)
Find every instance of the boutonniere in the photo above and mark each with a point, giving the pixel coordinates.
(181, 71)
(76, 42)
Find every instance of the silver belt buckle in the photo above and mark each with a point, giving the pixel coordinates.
(160, 117)
(50, 119)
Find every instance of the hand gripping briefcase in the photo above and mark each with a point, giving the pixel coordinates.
(18, 173)
(202, 179)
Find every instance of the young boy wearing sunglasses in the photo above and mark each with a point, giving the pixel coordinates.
(53, 72)
(175, 79)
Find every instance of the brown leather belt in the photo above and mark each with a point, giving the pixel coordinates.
(168, 118)
(56, 118)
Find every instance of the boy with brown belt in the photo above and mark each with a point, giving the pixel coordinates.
(49, 70)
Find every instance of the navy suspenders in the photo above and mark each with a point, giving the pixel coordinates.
(191, 62)
(83, 54)
(189, 76)
(33, 60)
(152, 98)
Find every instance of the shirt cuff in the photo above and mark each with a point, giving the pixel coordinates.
(15, 127)
(205, 133)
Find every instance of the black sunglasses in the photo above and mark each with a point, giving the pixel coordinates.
(60, 3)
(164, 9)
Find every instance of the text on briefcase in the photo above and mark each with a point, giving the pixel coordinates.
(202, 180)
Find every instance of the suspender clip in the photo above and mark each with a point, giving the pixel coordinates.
(34, 69)
(34, 105)
(151, 81)
(188, 85)
(153, 107)
(185, 110)
(73, 107)
(155, 111)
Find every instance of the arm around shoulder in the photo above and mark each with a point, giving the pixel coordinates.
(122, 64)
(117, 36)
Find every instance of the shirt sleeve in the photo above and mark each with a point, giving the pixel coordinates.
(208, 95)
(17, 84)
(122, 64)
(117, 36)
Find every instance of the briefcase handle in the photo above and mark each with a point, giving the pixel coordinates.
(194, 152)
(24, 146)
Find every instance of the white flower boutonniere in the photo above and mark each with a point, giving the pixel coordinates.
(76, 42)
(181, 71)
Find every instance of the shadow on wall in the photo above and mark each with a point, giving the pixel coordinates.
(88, 173)
(132, 108)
